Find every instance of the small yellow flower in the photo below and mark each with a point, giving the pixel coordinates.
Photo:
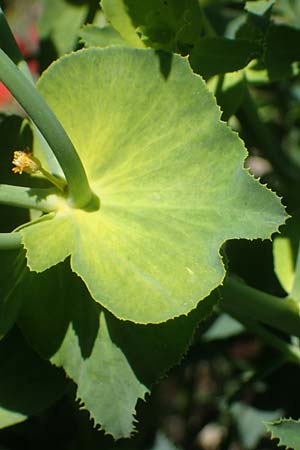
(25, 162)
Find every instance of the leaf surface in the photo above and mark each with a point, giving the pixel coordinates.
(249, 422)
(281, 52)
(217, 55)
(94, 36)
(28, 384)
(172, 25)
(114, 363)
(170, 178)
(287, 431)
(60, 21)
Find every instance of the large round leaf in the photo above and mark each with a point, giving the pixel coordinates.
(169, 175)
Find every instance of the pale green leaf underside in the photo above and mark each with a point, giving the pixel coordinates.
(250, 422)
(287, 431)
(94, 36)
(170, 178)
(106, 370)
(8, 418)
(113, 362)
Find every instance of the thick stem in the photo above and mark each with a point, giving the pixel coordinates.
(45, 200)
(240, 299)
(10, 47)
(10, 241)
(80, 193)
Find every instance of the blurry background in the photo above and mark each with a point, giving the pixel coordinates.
(228, 382)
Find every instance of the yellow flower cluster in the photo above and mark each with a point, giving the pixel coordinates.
(25, 162)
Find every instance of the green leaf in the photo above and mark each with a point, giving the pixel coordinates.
(60, 21)
(162, 442)
(232, 94)
(222, 328)
(281, 52)
(169, 25)
(250, 424)
(118, 15)
(218, 55)
(28, 384)
(287, 431)
(259, 7)
(113, 362)
(8, 418)
(170, 180)
(93, 36)
(257, 21)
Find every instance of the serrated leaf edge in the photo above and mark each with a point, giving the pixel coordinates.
(279, 422)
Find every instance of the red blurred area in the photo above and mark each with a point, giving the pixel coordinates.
(28, 45)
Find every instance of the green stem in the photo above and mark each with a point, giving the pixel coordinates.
(295, 292)
(80, 193)
(10, 47)
(59, 183)
(243, 300)
(45, 200)
(10, 241)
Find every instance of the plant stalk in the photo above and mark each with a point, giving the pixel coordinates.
(10, 241)
(295, 292)
(238, 299)
(45, 200)
(80, 193)
(10, 47)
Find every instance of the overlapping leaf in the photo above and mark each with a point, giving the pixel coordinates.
(172, 25)
(28, 383)
(114, 363)
(60, 22)
(169, 176)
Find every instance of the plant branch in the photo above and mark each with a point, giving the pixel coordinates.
(45, 200)
(238, 299)
(10, 47)
(80, 193)
(10, 241)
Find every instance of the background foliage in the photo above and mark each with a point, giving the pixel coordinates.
(230, 380)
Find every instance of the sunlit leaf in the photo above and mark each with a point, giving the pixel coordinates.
(94, 36)
(60, 22)
(173, 25)
(170, 178)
